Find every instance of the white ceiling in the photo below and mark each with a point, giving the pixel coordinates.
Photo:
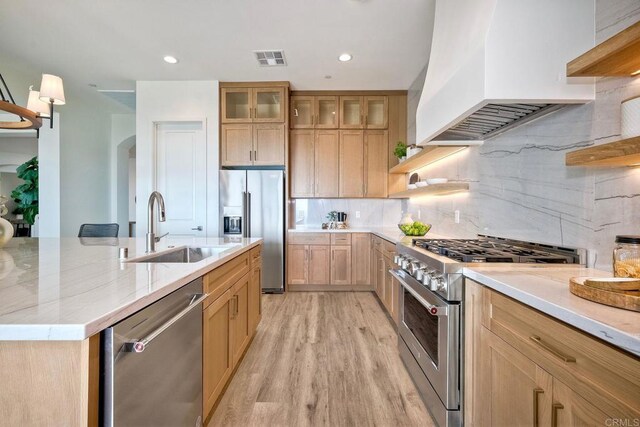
(113, 43)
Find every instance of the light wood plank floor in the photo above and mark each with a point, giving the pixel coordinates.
(322, 359)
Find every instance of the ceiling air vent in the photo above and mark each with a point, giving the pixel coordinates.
(270, 58)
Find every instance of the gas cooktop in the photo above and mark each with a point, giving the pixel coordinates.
(494, 249)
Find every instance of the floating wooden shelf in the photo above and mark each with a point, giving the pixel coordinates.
(620, 153)
(617, 56)
(428, 155)
(432, 190)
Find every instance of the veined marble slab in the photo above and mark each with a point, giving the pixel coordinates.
(546, 289)
(71, 289)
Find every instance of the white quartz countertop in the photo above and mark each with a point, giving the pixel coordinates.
(70, 288)
(546, 289)
(391, 234)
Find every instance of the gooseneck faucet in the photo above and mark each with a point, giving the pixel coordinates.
(151, 235)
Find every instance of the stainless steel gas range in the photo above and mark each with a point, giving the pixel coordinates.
(432, 308)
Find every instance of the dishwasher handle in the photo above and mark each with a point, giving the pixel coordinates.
(139, 345)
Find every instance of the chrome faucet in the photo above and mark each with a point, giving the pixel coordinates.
(151, 235)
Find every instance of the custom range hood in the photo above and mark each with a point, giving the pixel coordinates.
(496, 64)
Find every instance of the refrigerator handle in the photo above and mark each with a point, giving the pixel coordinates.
(248, 214)
(244, 214)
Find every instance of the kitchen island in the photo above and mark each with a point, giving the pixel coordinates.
(57, 295)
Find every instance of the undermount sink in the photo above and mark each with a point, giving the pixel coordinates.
(184, 255)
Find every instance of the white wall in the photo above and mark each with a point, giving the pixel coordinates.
(123, 130)
(161, 101)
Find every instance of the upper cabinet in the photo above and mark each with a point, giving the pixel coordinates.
(364, 112)
(254, 123)
(253, 104)
(314, 112)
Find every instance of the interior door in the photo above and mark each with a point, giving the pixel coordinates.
(181, 177)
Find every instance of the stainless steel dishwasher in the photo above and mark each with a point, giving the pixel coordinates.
(153, 364)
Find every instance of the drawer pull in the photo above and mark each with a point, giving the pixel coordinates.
(567, 359)
(554, 414)
(536, 392)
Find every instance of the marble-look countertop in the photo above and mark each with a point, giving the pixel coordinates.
(70, 288)
(546, 289)
(391, 234)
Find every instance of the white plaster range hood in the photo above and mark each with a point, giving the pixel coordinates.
(496, 64)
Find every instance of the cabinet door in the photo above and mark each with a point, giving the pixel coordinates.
(302, 112)
(237, 145)
(381, 277)
(361, 259)
(240, 332)
(376, 163)
(255, 298)
(327, 161)
(351, 163)
(351, 112)
(319, 265)
(297, 264)
(388, 286)
(511, 389)
(217, 359)
(376, 112)
(268, 105)
(572, 410)
(268, 145)
(395, 300)
(301, 154)
(327, 112)
(340, 265)
(236, 105)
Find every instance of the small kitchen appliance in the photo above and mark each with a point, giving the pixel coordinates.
(431, 298)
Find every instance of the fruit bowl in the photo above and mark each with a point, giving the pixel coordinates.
(416, 229)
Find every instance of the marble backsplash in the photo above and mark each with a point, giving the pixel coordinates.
(373, 212)
(520, 186)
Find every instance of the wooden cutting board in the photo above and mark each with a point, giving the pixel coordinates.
(602, 296)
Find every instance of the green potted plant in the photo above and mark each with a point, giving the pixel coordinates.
(400, 151)
(26, 195)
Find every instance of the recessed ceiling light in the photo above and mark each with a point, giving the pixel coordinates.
(344, 57)
(170, 59)
(327, 77)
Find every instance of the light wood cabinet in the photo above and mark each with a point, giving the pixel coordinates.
(217, 353)
(340, 265)
(255, 294)
(326, 158)
(376, 164)
(360, 258)
(376, 112)
(351, 112)
(319, 264)
(302, 170)
(240, 332)
(314, 112)
(252, 104)
(252, 145)
(297, 264)
(268, 145)
(525, 368)
(351, 169)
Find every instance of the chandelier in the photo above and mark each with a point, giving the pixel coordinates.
(39, 106)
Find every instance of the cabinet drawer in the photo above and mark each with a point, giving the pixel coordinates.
(255, 256)
(388, 249)
(341, 239)
(600, 373)
(216, 282)
(309, 239)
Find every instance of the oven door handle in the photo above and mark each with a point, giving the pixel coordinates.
(434, 310)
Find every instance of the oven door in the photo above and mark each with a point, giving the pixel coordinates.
(430, 326)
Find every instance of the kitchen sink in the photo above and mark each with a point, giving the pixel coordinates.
(183, 255)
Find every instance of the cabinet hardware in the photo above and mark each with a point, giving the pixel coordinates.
(554, 413)
(567, 359)
(366, 120)
(295, 112)
(536, 392)
(255, 155)
(313, 120)
(237, 304)
(251, 155)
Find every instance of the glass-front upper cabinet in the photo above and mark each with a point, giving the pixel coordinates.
(268, 105)
(326, 108)
(246, 105)
(236, 105)
(376, 112)
(302, 112)
(351, 112)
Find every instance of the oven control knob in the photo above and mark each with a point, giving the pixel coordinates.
(426, 278)
(436, 279)
(415, 265)
(442, 284)
(420, 274)
(405, 263)
(397, 259)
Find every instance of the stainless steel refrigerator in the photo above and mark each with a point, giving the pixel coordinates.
(252, 205)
